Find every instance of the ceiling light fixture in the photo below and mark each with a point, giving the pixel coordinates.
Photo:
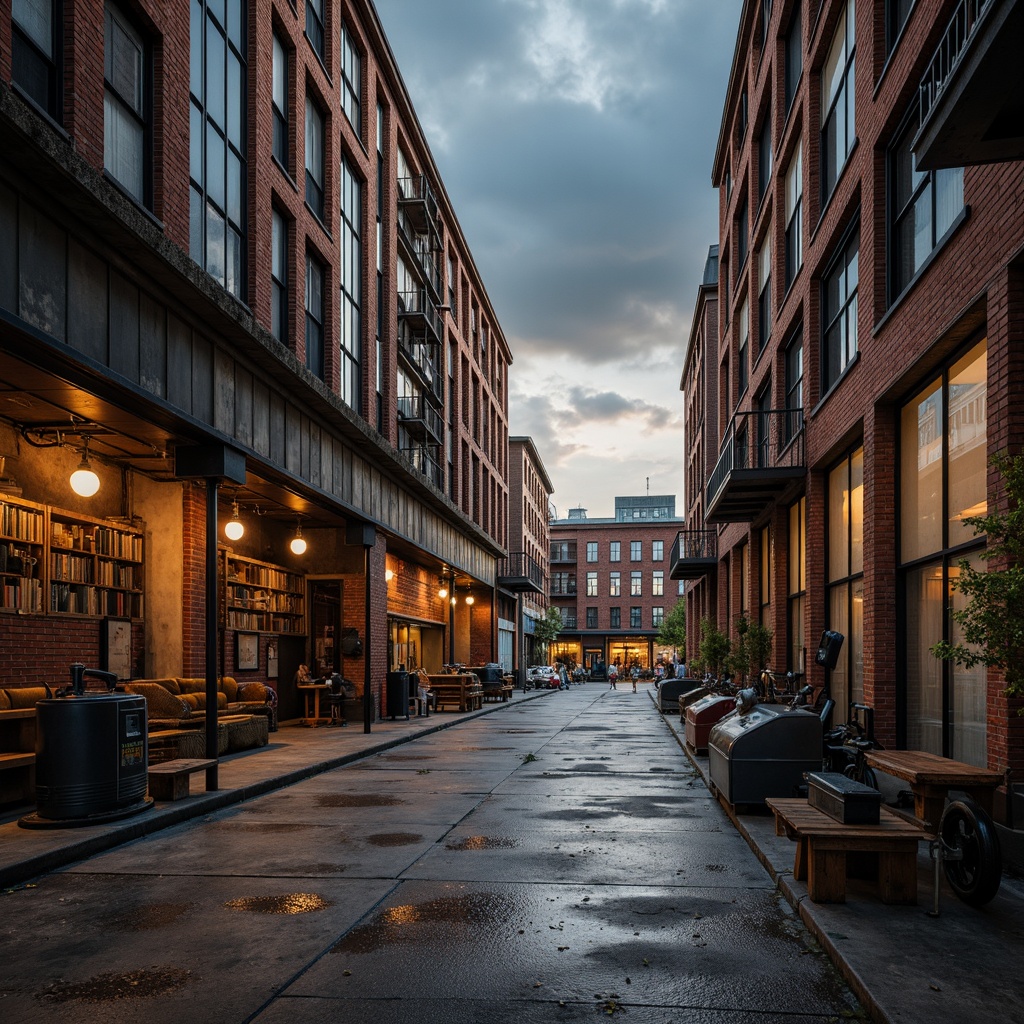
(298, 542)
(84, 480)
(234, 528)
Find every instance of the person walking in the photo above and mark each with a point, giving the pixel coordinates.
(613, 676)
(635, 675)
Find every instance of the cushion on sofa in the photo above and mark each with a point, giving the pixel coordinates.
(26, 696)
(228, 685)
(5, 701)
(160, 702)
(197, 701)
(252, 693)
(191, 685)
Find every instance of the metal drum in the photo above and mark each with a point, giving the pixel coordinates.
(763, 752)
(703, 715)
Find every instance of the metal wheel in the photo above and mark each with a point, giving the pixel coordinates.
(968, 831)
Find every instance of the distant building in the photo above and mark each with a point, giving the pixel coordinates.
(609, 579)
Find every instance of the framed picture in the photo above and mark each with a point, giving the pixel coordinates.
(247, 651)
(272, 659)
(116, 647)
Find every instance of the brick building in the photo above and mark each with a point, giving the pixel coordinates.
(529, 499)
(609, 579)
(232, 282)
(870, 308)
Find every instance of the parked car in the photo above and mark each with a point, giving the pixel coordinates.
(542, 677)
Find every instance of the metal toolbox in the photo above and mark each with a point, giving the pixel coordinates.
(849, 802)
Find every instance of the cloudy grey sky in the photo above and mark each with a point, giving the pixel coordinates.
(575, 140)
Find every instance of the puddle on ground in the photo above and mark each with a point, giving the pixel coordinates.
(407, 757)
(147, 917)
(286, 903)
(482, 843)
(277, 827)
(406, 923)
(472, 750)
(394, 839)
(357, 800)
(520, 732)
(106, 988)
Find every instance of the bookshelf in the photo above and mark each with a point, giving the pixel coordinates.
(57, 562)
(261, 597)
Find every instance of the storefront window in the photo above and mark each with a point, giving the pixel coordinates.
(943, 451)
(797, 598)
(846, 577)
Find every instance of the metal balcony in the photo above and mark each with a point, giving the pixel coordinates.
(562, 589)
(417, 413)
(520, 572)
(417, 202)
(418, 309)
(420, 259)
(420, 353)
(972, 92)
(562, 552)
(694, 554)
(424, 459)
(762, 452)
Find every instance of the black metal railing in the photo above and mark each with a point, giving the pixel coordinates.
(961, 27)
(416, 198)
(421, 353)
(418, 307)
(416, 408)
(559, 589)
(762, 439)
(563, 552)
(520, 565)
(424, 459)
(695, 546)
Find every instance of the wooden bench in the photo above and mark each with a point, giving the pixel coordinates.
(17, 755)
(931, 777)
(500, 693)
(170, 780)
(465, 691)
(823, 844)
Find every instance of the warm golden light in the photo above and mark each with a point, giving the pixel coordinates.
(84, 480)
(388, 575)
(234, 528)
(298, 542)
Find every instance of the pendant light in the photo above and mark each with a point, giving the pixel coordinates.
(84, 480)
(298, 542)
(234, 528)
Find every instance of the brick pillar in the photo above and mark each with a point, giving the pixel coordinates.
(193, 581)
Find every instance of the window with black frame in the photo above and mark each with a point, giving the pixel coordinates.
(279, 276)
(315, 27)
(36, 57)
(314, 316)
(794, 58)
(764, 293)
(839, 312)
(126, 105)
(838, 130)
(315, 161)
(794, 386)
(351, 78)
(923, 207)
(279, 102)
(794, 216)
(350, 287)
(764, 158)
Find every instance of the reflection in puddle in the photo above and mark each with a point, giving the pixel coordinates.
(105, 988)
(463, 915)
(357, 800)
(287, 903)
(482, 843)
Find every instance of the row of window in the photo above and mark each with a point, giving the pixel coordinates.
(565, 551)
(563, 584)
(636, 618)
(923, 207)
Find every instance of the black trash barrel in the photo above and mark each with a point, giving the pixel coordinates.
(398, 694)
(91, 755)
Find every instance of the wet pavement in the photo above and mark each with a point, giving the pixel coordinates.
(555, 859)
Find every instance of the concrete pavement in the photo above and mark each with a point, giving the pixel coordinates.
(903, 965)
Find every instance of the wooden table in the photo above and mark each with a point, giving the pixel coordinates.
(311, 694)
(823, 843)
(461, 688)
(931, 777)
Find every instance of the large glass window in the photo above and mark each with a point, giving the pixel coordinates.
(794, 386)
(614, 549)
(657, 550)
(636, 617)
(742, 238)
(279, 277)
(314, 158)
(315, 27)
(838, 129)
(351, 78)
(636, 550)
(794, 58)
(794, 216)
(279, 102)
(592, 584)
(896, 14)
(657, 616)
(922, 208)
(350, 298)
(636, 583)
(36, 59)
(315, 316)
(615, 618)
(839, 313)
(614, 584)
(125, 105)
(764, 158)
(219, 193)
(846, 577)
(764, 294)
(591, 550)
(943, 453)
(743, 352)
(591, 618)
(658, 583)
